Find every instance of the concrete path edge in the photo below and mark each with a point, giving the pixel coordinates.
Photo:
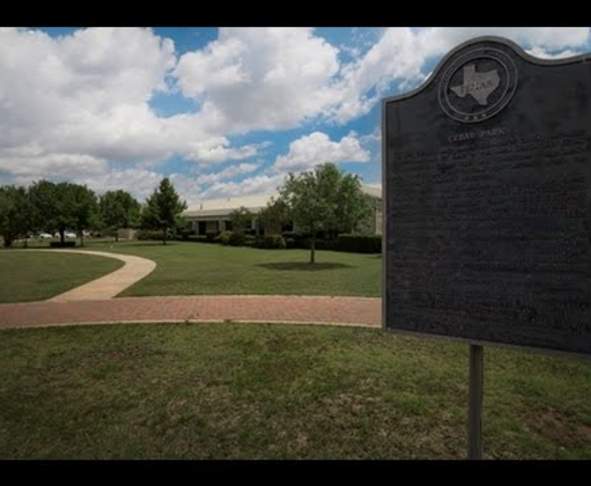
(108, 286)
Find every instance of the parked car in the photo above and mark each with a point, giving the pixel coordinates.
(69, 234)
(45, 236)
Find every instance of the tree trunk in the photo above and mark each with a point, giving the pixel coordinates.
(81, 238)
(7, 241)
(116, 235)
(62, 240)
(312, 249)
(164, 236)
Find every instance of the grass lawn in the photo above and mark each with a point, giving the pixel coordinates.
(30, 275)
(277, 391)
(185, 268)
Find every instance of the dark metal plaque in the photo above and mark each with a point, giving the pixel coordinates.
(487, 194)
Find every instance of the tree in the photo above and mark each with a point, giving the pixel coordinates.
(307, 206)
(44, 206)
(353, 205)
(84, 209)
(162, 210)
(15, 214)
(241, 219)
(274, 216)
(324, 200)
(54, 206)
(119, 209)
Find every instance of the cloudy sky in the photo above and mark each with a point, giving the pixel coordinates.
(220, 111)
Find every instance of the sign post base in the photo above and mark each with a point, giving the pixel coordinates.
(475, 402)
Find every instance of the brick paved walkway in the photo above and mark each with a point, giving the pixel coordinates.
(347, 311)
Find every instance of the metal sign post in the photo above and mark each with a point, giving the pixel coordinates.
(475, 402)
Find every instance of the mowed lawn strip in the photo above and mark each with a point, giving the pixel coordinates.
(29, 275)
(233, 391)
(186, 268)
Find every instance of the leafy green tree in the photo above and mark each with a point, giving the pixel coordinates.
(163, 209)
(55, 206)
(308, 208)
(324, 200)
(15, 214)
(119, 209)
(241, 219)
(84, 209)
(274, 216)
(65, 216)
(44, 206)
(353, 206)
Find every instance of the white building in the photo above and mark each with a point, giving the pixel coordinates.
(213, 215)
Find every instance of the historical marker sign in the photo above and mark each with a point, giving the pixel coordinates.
(487, 192)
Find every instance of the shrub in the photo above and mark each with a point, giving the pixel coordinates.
(295, 240)
(223, 238)
(332, 245)
(271, 242)
(250, 240)
(149, 235)
(290, 243)
(237, 238)
(199, 239)
(359, 243)
(184, 233)
(59, 244)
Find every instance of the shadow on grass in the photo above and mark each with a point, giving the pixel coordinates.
(303, 266)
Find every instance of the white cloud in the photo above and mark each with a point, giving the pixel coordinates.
(217, 150)
(85, 97)
(317, 148)
(30, 167)
(228, 173)
(544, 54)
(261, 184)
(77, 106)
(401, 53)
(260, 78)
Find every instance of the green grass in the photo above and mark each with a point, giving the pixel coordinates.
(29, 275)
(277, 391)
(201, 268)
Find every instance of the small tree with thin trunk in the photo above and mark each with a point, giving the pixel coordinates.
(324, 199)
(162, 210)
(308, 207)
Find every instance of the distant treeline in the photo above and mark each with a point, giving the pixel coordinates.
(53, 208)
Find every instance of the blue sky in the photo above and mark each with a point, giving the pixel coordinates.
(223, 112)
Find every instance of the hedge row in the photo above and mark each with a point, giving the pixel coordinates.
(240, 239)
(359, 243)
(344, 242)
(59, 244)
(149, 235)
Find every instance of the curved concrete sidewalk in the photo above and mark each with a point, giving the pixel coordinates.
(346, 311)
(110, 285)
